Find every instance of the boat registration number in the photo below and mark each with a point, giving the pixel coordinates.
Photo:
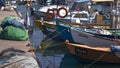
(80, 50)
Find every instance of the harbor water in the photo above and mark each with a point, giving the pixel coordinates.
(53, 53)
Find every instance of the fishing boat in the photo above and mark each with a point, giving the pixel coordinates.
(48, 13)
(87, 33)
(74, 19)
(93, 36)
(45, 16)
(74, 32)
(95, 54)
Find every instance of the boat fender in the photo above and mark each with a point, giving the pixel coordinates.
(50, 16)
(59, 12)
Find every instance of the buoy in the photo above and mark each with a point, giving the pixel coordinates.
(50, 14)
(62, 9)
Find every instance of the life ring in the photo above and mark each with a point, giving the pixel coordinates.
(59, 14)
(50, 15)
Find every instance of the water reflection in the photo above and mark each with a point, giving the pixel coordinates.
(68, 61)
(36, 37)
(50, 61)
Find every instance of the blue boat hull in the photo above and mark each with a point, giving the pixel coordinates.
(64, 32)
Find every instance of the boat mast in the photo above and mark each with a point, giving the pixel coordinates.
(116, 14)
(116, 17)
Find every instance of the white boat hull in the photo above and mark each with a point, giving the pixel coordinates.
(90, 39)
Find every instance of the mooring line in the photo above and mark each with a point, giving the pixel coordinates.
(94, 61)
(53, 37)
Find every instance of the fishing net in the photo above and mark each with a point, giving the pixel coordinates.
(13, 33)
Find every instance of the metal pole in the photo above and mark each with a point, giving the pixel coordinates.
(116, 19)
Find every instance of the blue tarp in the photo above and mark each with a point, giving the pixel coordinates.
(2, 3)
(13, 23)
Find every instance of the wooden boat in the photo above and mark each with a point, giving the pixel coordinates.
(77, 19)
(94, 54)
(89, 36)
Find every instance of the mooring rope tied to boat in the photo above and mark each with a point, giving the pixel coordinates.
(53, 36)
(94, 61)
(49, 34)
(59, 43)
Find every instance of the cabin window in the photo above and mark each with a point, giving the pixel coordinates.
(80, 15)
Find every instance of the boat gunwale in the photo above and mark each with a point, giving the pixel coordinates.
(97, 48)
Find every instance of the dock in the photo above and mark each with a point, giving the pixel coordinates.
(20, 45)
(5, 44)
(16, 47)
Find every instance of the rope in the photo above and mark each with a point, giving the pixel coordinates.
(57, 44)
(53, 36)
(94, 61)
(49, 34)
